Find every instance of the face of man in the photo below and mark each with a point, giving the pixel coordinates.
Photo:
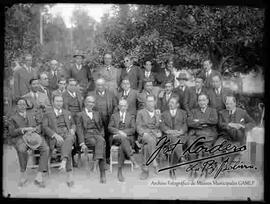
(127, 62)
(35, 86)
(125, 85)
(230, 103)
(72, 86)
(100, 85)
(168, 87)
(148, 66)
(54, 65)
(203, 101)
(21, 106)
(207, 65)
(58, 102)
(150, 103)
(148, 86)
(108, 59)
(62, 85)
(216, 82)
(89, 103)
(198, 83)
(170, 65)
(173, 104)
(182, 82)
(28, 60)
(123, 105)
(79, 60)
(44, 80)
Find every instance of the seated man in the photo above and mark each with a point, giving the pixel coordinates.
(59, 126)
(147, 125)
(22, 123)
(202, 122)
(234, 123)
(122, 126)
(174, 125)
(165, 96)
(91, 133)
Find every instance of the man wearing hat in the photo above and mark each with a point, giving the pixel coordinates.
(181, 89)
(54, 75)
(25, 134)
(81, 73)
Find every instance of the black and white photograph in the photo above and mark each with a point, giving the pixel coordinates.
(134, 101)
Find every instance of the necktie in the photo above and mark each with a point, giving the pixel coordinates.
(35, 96)
(217, 91)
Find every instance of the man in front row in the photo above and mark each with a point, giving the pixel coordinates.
(59, 126)
(147, 125)
(91, 133)
(122, 127)
(174, 125)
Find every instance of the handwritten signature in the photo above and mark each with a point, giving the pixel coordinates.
(209, 163)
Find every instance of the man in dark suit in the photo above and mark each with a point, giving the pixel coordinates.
(218, 94)
(191, 95)
(21, 123)
(91, 134)
(164, 75)
(130, 95)
(133, 73)
(58, 125)
(165, 96)
(81, 73)
(22, 77)
(207, 73)
(106, 103)
(233, 123)
(147, 73)
(54, 74)
(122, 127)
(44, 84)
(147, 126)
(174, 125)
(61, 87)
(73, 102)
(181, 89)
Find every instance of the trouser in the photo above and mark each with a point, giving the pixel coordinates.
(65, 149)
(125, 150)
(149, 144)
(22, 148)
(99, 145)
(178, 151)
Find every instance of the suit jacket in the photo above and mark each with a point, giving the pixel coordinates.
(142, 122)
(135, 77)
(21, 81)
(53, 79)
(152, 76)
(207, 125)
(81, 123)
(232, 133)
(57, 92)
(42, 100)
(208, 79)
(181, 94)
(161, 78)
(191, 98)
(132, 100)
(180, 121)
(83, 76)
(213, 98)
(67, 97)
(49, 122)
(16, 123)
(46, 91)
(129, 124)
(163, 104)
(142, 97)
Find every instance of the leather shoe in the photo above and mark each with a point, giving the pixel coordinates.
(120, 175)
(144, 175)
(70, 183)
(172, 174)
(40, 184)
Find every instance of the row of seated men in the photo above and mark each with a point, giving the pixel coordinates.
(64, 122)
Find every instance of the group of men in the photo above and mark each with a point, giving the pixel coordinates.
(133, 107)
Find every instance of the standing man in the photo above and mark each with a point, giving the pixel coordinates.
(106, 103)
(191, 95)
(164, 75)
(122, 127)
(208, 73)
(73, 102)
(44, 84)
(181, 89)
(218, 93)
(110, 74)
(148, 74)
(23, 125)
(91, 133)
(58, 125)
(133, 73)
(174, 125)
(165, 96)
(81, 73)
(54, 74)
(147, 126)
(22, 77)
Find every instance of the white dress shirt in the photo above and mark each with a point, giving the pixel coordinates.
(167, 73)
(218, 91)
(72, 94)
(57, 112)
(126, 92)
(147, 74)
(203, 109)
(89, 114)
(152, 114)
(79, 67)
(122, 116)
(173, 112)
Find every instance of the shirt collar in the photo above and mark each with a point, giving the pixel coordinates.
(22, 114)
(127, 92)
(90, 114)
(56, 111)
(151, 113)
(173, 112)
(203, 110)
(219, 90)
(78, 66)
(72, 94)
(101, 93)
(232, 111)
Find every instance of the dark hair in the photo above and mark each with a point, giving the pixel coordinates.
(203, 94)
(71, 79)
(217, 76)
(62, 79)
(125, 79)
(168, 81)
(21, 99)
(175, 97)
(57, 95)
(151, 96)
(32, 79)
(230, 96)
